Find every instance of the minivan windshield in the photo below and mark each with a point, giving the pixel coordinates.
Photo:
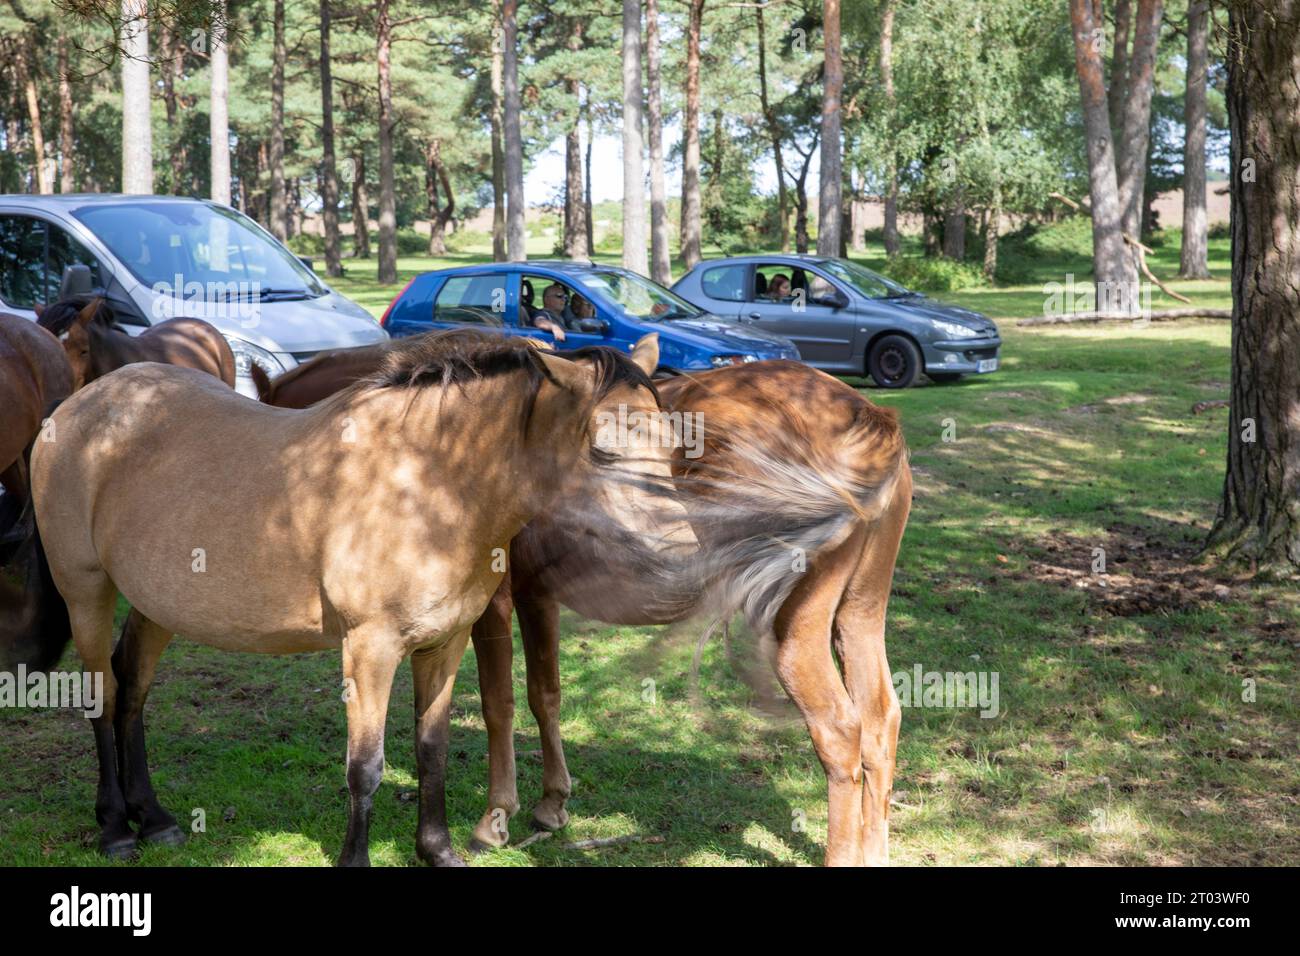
(639, 297)
(210, 251)
(870, 284)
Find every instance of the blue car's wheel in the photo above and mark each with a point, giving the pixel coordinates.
(894, 362)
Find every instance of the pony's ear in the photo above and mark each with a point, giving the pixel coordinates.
(646, 353)
(88, 313)
(569, 376)
(39, 309)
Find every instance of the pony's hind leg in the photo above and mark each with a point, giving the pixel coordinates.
(493, 653)
(90, 613)
(370, 660)
(434, 670)
(539, 628)
(134, 660)
(808, 673)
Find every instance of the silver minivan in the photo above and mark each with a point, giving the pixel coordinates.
(160, 257)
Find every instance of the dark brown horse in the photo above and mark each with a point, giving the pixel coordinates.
(96, 344)
(34, 376)
(799, 502)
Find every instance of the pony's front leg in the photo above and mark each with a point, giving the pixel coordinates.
(539, 628)
(493, 653)
(370, 660)
(434, 670)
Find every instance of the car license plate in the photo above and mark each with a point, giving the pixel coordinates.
(987, 365)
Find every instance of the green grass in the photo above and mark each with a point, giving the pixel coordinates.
(1122, 738)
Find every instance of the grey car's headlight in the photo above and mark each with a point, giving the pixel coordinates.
(247, 354)
(953, 330)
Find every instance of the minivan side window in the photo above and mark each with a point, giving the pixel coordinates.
(33, 257)
(724, 282)
(472, 300)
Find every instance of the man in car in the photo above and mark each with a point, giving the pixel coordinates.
(550, 316)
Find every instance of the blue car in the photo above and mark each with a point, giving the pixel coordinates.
(591, 304)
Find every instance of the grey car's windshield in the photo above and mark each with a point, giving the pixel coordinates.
(213, 251)
(639, 297)
(870, 284)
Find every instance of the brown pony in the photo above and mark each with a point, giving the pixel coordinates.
(34, 376)
(251, 523)
(794, 462)
(96, 344)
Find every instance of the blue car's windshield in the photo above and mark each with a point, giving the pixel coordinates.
(870, 284)
(638, 297)
(213, 251)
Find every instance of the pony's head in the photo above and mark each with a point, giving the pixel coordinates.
(70, 320)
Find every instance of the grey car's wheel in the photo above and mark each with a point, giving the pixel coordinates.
(894, 362)
(941, 378)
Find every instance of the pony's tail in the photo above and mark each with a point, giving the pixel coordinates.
(261, 381)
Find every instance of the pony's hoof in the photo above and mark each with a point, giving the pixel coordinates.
(548, 820)
(171, 835)
(478, 847)
(120, 848)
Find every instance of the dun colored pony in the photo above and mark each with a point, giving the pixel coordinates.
(794, 462)
(96, 345)
(375, 522)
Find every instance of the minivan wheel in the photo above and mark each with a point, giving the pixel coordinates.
(894, 362)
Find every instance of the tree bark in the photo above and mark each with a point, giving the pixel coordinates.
(773, 134)
(690, 225)
(218, 114)
(360, 208)
(137, 134)
(172, 55)
(279, 224)
(1194, 255)
(660, 261)
(387, 273)
(991, 233)
(329, 163)
(67, 144)
(634, 244)
(1258, 522)
(1131, 164)
(954, 227)
(575, 226)
(498, 148)
(892, 244)
(1113, 266)
(1118, 95)
(586, 187)
(516, 237)
(26, 71)
(830, 206)
(435, 177)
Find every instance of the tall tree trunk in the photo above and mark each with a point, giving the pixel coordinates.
(1119, 67)
(279, 224)
(892, 245)
(830, 207)
(801, 238)
(219, 116)
(634, 246)
(1194, 255)
(516, 237)
(387, 273)
(660, 262)
(1113, 267)
(329, 165)
(172, 54)
(690, 226)
(586, 182)
(991, 233)
(773, 134)
(435, 177)
(954, 226)
(26, 67)
(498, 149)
(67, 144)
(1259, 521)
(1131, 165)
(137, 134)
(360, 208)
(575, 224)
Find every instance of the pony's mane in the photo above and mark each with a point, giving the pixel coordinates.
(59, 316)
(460, 356)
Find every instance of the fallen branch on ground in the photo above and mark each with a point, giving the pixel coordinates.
(539, 835)
(1206, 406)
(1159, 315)
(602, 842)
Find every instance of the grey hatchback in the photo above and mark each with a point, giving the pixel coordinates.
(846, 319)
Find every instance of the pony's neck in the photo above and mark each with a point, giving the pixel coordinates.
(111, 348)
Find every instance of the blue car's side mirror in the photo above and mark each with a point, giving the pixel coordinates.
(593, 326)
